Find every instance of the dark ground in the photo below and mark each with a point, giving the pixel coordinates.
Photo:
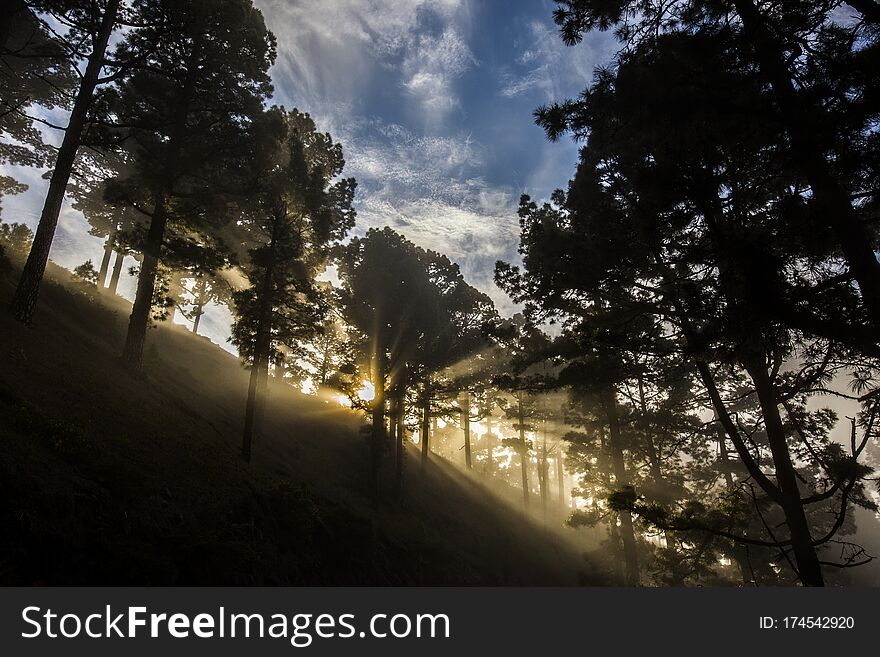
(107, 479)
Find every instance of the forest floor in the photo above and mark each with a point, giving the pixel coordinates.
(109, 479)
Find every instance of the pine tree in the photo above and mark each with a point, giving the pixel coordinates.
(296, 212)
(91, 25)
(184, 112)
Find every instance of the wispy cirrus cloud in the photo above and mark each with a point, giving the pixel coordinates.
(339, 51)
(432, 66)
(547, 67)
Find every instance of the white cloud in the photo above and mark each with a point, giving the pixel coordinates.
(331, 51)
(551, 68)
(432, 67)
(475, 238)
(430, 189)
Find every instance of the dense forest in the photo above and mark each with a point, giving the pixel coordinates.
(687, 395)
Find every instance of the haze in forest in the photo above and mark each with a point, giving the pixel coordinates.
(361, 291)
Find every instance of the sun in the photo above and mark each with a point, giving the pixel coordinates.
(367, 392)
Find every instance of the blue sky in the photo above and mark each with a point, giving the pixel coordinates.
(432, 101)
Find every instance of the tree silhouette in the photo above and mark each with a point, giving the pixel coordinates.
(184, 112)
(82, 25)
(649, 222)
(828, 112)
(386, 296)
(297, 211)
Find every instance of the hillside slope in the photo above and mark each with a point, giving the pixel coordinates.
(107, 479)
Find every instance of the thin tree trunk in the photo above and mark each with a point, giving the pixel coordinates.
(173, 298)
(400, 433)
(25, 299)
(543, 471)
(653, 454)
(426, 420)
(524, 450)
(627, 532)
(490, 441)
(324, 370)
(105, 261)
(466, 428)
(197, 318)
(800, 120)
(619, 566)
(117, 270)
(199, 310)
(377, 437)
(560, 479)
(253, 411)
(392, 417)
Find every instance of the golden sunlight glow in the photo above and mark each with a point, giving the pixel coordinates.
(308, 386)
(342, 400)
(367, 392)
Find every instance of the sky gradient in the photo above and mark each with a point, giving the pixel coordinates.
(432, 101)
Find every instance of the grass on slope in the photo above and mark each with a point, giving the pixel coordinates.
(109, 479)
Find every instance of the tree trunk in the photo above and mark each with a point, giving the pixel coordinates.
(627, 532)
(377, 437)
(490, 441)
(560, 480)
(785, 491)
(133, 352)
(524, 450)
(466, 428)
(619, 567)
(197, 318)
(254, 407)
(809, 569)
(426, 421)
(105, 261)
(543, 471)
(800, 119)
(199, 309)
(117, 270)
(25, 299)
(392, 417)
(253, 411)
(788, 499)
(400, 433)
